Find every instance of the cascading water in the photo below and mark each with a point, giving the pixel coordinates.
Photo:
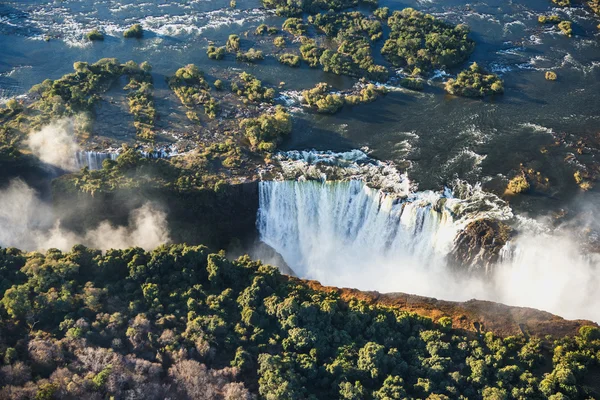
(93, 159)
(345, 233)
(311, 222)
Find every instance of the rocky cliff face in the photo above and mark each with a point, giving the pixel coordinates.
(473, 316)
(478, 245)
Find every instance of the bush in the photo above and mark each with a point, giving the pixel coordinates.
(135, 31)
(551, 75)
(233, 44)
(320, 98)
(250, 56)
(519, 184)
(412, 83)
(311, 53)
(268, 129)
(215, 53)
(290, 59)
(565, 27)
(94, 35)
(295, 26)
(264, 28)
(552, 19)
(279, 41)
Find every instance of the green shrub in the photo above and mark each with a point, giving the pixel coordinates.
(250, 56)
(135, 31)
(290, 59)
(216, 53)
(94, 35)
(295, 26)
(233, 44)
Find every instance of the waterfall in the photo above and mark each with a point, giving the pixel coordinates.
(345, 232)
(93, 159)
(312, 224)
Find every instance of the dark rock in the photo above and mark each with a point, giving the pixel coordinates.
(478, 245)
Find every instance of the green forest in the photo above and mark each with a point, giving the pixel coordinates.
(182, 322)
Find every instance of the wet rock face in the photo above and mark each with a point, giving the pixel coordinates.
(478, 245)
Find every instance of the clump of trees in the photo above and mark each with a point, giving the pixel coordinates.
(141, 99)
(321, 98)
(295, 26)
(549, 19)
(250, 56)
(252, 89)
(265, 131)
(191, 88)
(94, 35)
(289, 8)
(135, 31)
(233, 43)
(215, 53)
(565, 27)
(311, 53)
(184, 322)
(290, 59)
(474, 82)
(421, 40)
(263, 29)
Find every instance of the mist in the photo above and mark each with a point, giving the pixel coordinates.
(29, 223)
(347, 235)
(55, 144)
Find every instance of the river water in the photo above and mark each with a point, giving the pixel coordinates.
(444, 136)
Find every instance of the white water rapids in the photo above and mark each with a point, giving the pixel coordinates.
(344, 233)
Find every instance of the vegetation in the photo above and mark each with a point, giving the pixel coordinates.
(295, 26)
(265, 29)
(565, 27)
(290, 8)
(551, 75)
(279, 41)
(551, 19)
(135, 31)
(420, 40)
(94, 34)
(141, 99)
(182, 322)
(191, 88)
(216, 53)
(251, 88)
(412, 83)
(250, 56)
(382, 13)
(562, 3)
(311, 53)
(474, 82)
(290, 59)
(367, 94)
(519, 184)
(265, 131)
(323, 100)
(320, 98)
(347, 25)
(233, 44)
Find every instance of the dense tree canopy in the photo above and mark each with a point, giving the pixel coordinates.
(182, 322)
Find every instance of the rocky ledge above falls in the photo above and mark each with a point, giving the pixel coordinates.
(473, 315)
